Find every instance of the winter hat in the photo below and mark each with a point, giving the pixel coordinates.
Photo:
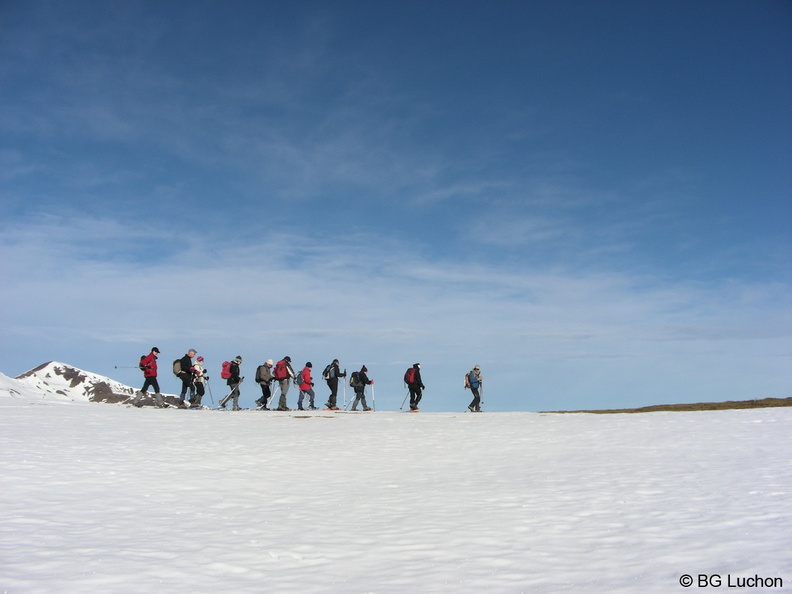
(309, 364)
(417, 365)
(287, 359)
(364, 369)
(269, 363)
(199, 358)
(238, 359)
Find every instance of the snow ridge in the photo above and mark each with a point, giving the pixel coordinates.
(59, 382)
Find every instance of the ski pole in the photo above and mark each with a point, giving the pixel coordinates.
(125, 366)
(210, 391)
(373, 398)
(345, 376)
(236, 385)
(405, 400)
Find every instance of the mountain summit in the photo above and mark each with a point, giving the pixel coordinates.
(56, 381)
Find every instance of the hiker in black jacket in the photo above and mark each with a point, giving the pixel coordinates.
(415, 385)
(234, 381)
(362, 380)
(331, 374)
(186, 375)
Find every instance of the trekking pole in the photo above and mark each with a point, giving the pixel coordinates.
(233, 389)
(126, 366)
(373, 398)
(405, 399)
(351, 400)
(481, 394)
(210, 391)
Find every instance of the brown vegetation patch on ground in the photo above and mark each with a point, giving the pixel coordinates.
(728, 405)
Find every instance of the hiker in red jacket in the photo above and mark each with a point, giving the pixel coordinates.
(149, 366)
(306, 387)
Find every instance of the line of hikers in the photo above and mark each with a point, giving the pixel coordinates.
(282, 373)
(194, 379)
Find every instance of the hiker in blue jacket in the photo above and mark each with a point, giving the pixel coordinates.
(474, 380)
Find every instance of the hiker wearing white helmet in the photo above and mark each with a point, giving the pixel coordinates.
(263, 379)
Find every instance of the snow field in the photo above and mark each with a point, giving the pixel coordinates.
(104, 498)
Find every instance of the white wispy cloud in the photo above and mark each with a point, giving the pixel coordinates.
(381, 303)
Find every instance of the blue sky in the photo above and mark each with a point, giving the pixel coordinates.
(591, 200)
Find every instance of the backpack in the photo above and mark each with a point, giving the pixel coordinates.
(281, 372)
(409, 376)
(353, 379)
(326, 372)
(225, 370)
(258, 374)
(177, 367)
(140, 365)
(298, 378)
(467, 380)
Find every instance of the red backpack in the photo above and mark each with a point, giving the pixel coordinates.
(409, 376)
(225, 370)
(280, 370)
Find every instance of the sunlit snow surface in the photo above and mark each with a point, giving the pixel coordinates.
(111, 498)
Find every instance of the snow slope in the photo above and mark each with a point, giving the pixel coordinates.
(118, 499)
(59, 382)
